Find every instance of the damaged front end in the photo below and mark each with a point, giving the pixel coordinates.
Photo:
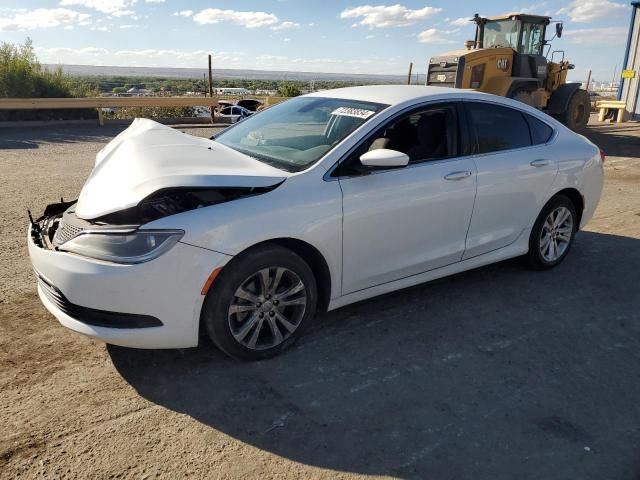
(44, 228)
(59, 225)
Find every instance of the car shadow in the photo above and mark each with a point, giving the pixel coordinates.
(481, 375)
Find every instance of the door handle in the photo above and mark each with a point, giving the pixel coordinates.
(541, 162)
(458, 175)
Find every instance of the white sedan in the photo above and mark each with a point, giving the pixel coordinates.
(318, 202)
(233, 114)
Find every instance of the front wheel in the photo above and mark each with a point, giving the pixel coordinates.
(261, 302)
(553, 233)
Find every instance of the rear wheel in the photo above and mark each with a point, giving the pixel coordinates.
(576, 116)
(553, 233)
(260, 303)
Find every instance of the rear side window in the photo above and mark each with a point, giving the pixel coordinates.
(498, 128)
(540, 131)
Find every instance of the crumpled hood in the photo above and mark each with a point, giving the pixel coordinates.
(149, 156)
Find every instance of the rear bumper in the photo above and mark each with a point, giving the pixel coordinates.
(160, 300)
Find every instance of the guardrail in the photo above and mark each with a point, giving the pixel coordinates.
(114, 102)
(618, 106)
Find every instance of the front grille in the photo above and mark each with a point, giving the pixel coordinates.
(91, 316)
(65, 232)
(442, 76)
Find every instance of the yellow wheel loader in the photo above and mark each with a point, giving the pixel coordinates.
(507, 58)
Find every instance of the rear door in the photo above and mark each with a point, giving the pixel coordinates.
(515, 172)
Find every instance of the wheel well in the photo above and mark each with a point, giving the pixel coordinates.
(577, 200)
(314, 259)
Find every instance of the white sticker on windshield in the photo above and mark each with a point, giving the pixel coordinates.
(353, 112)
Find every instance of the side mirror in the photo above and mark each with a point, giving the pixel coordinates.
(384, 158)
(559, 29)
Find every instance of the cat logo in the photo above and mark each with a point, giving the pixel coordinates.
(503, 64)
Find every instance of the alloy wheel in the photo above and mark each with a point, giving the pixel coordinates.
(556, 234)
(267, 308)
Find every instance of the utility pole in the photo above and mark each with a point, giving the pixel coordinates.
(588, 80)
(210, 89)
(409, 76)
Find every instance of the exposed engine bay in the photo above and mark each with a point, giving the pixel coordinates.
(59, 222)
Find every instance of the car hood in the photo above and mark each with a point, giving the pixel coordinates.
(149, 156)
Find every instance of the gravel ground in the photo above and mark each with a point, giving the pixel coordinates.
(496, 373)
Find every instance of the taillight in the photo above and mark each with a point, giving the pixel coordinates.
(602, 156)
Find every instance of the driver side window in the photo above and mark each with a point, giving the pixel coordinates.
(429, 133)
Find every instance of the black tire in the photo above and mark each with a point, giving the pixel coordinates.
(535, 257)
(218, 321)
(576, 116)
(524, 96)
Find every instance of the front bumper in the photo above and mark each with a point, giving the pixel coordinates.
(167, 289)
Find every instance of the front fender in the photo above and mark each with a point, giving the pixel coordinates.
(304, 207)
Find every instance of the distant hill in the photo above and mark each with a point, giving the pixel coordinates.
(95, 70)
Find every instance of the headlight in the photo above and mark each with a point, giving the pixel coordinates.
(123, 247)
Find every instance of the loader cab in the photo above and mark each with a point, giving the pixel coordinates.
(523, 33)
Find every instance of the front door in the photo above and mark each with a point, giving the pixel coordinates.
(405, 221)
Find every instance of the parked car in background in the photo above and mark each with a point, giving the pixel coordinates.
(233, 114)
(315, 203)
(250, 104)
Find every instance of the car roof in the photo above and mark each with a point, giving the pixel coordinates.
(393, 94)
(402, 95)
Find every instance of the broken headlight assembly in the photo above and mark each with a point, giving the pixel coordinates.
(128, 247)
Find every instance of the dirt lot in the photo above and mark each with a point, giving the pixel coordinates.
(498, 373)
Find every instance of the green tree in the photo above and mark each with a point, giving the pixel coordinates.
(19, 69)
(119, 90)
(22, 76)
(288, 90)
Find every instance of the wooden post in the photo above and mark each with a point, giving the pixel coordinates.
(588, 80)
(210, 88)
(409, 76)
(100, 117)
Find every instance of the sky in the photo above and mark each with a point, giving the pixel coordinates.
(331, 36)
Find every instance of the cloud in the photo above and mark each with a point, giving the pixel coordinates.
(534, 8)
(588, 10)
(183, 13)
(460, 22)
(142, 57)
(44, 18)
(435, 36)
(67, 50)
(117, 8)
(155, 1)
(382, 16)
(285, 26)
(597, 36)
(246, 19)
(127, 27)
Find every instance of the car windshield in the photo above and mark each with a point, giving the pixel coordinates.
(500, 33)
(297, 133)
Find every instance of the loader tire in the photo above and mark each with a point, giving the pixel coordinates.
(576, 116)
(523, 96)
